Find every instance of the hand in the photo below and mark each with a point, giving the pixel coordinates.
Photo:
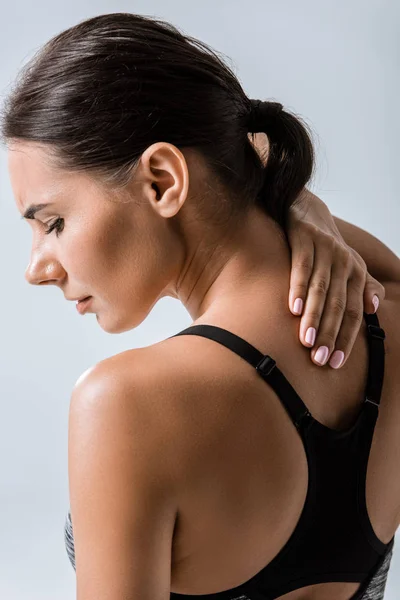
(330, 278)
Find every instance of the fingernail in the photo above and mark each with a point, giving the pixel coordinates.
(310, 335)
(375, 302)
(336, 359)
(298, 306)
(321, 355)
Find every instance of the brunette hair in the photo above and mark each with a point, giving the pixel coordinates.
(99, 93)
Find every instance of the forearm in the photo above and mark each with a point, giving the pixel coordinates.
(382, 263)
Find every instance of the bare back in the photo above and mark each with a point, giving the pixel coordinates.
(243, 466)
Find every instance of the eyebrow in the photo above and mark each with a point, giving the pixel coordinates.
(33, 209)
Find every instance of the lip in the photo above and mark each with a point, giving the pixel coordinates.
(82, 305)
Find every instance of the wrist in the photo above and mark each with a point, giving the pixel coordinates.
(310, 209)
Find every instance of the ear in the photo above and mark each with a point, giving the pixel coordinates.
(165, 174)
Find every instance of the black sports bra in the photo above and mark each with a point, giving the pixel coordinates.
(334, 539)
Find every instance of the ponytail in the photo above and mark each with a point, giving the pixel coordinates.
(290, 158)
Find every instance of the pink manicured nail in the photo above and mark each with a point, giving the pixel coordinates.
(336, 359)
(321, 355)
(375, 302)
(298, 306)
(310, 335)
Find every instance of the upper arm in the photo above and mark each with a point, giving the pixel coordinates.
(122, 496)
(382, 263)
(392, 290)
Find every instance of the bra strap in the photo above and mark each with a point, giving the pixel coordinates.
(376, 369)
(264, 364)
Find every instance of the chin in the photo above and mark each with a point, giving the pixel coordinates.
(117, 326)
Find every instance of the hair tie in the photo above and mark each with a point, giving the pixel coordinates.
(261, 112)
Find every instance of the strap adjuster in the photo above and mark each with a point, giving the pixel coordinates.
(371, 401)
(266, 365)
(376, 332)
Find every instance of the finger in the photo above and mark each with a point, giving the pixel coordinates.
(373, 288)
(302, 266)
(336, 305)
(352, 318)
(316, 294)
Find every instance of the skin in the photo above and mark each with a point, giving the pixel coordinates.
(130, 248)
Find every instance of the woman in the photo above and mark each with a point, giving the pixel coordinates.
(192, 473)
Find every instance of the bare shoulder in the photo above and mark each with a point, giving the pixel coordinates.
(128, 383)
(139, 392)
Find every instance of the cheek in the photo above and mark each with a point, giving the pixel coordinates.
(91, 251)
(119, 256)
(139, 262)
(124, 246)
(124, 263)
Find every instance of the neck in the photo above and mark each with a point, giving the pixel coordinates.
(244, 274)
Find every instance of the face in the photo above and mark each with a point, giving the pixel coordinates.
(121, 248)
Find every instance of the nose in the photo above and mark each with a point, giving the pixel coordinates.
(41, 272)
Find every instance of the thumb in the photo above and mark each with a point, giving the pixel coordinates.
(374, 293)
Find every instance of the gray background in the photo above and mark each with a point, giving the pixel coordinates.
(337, 65)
